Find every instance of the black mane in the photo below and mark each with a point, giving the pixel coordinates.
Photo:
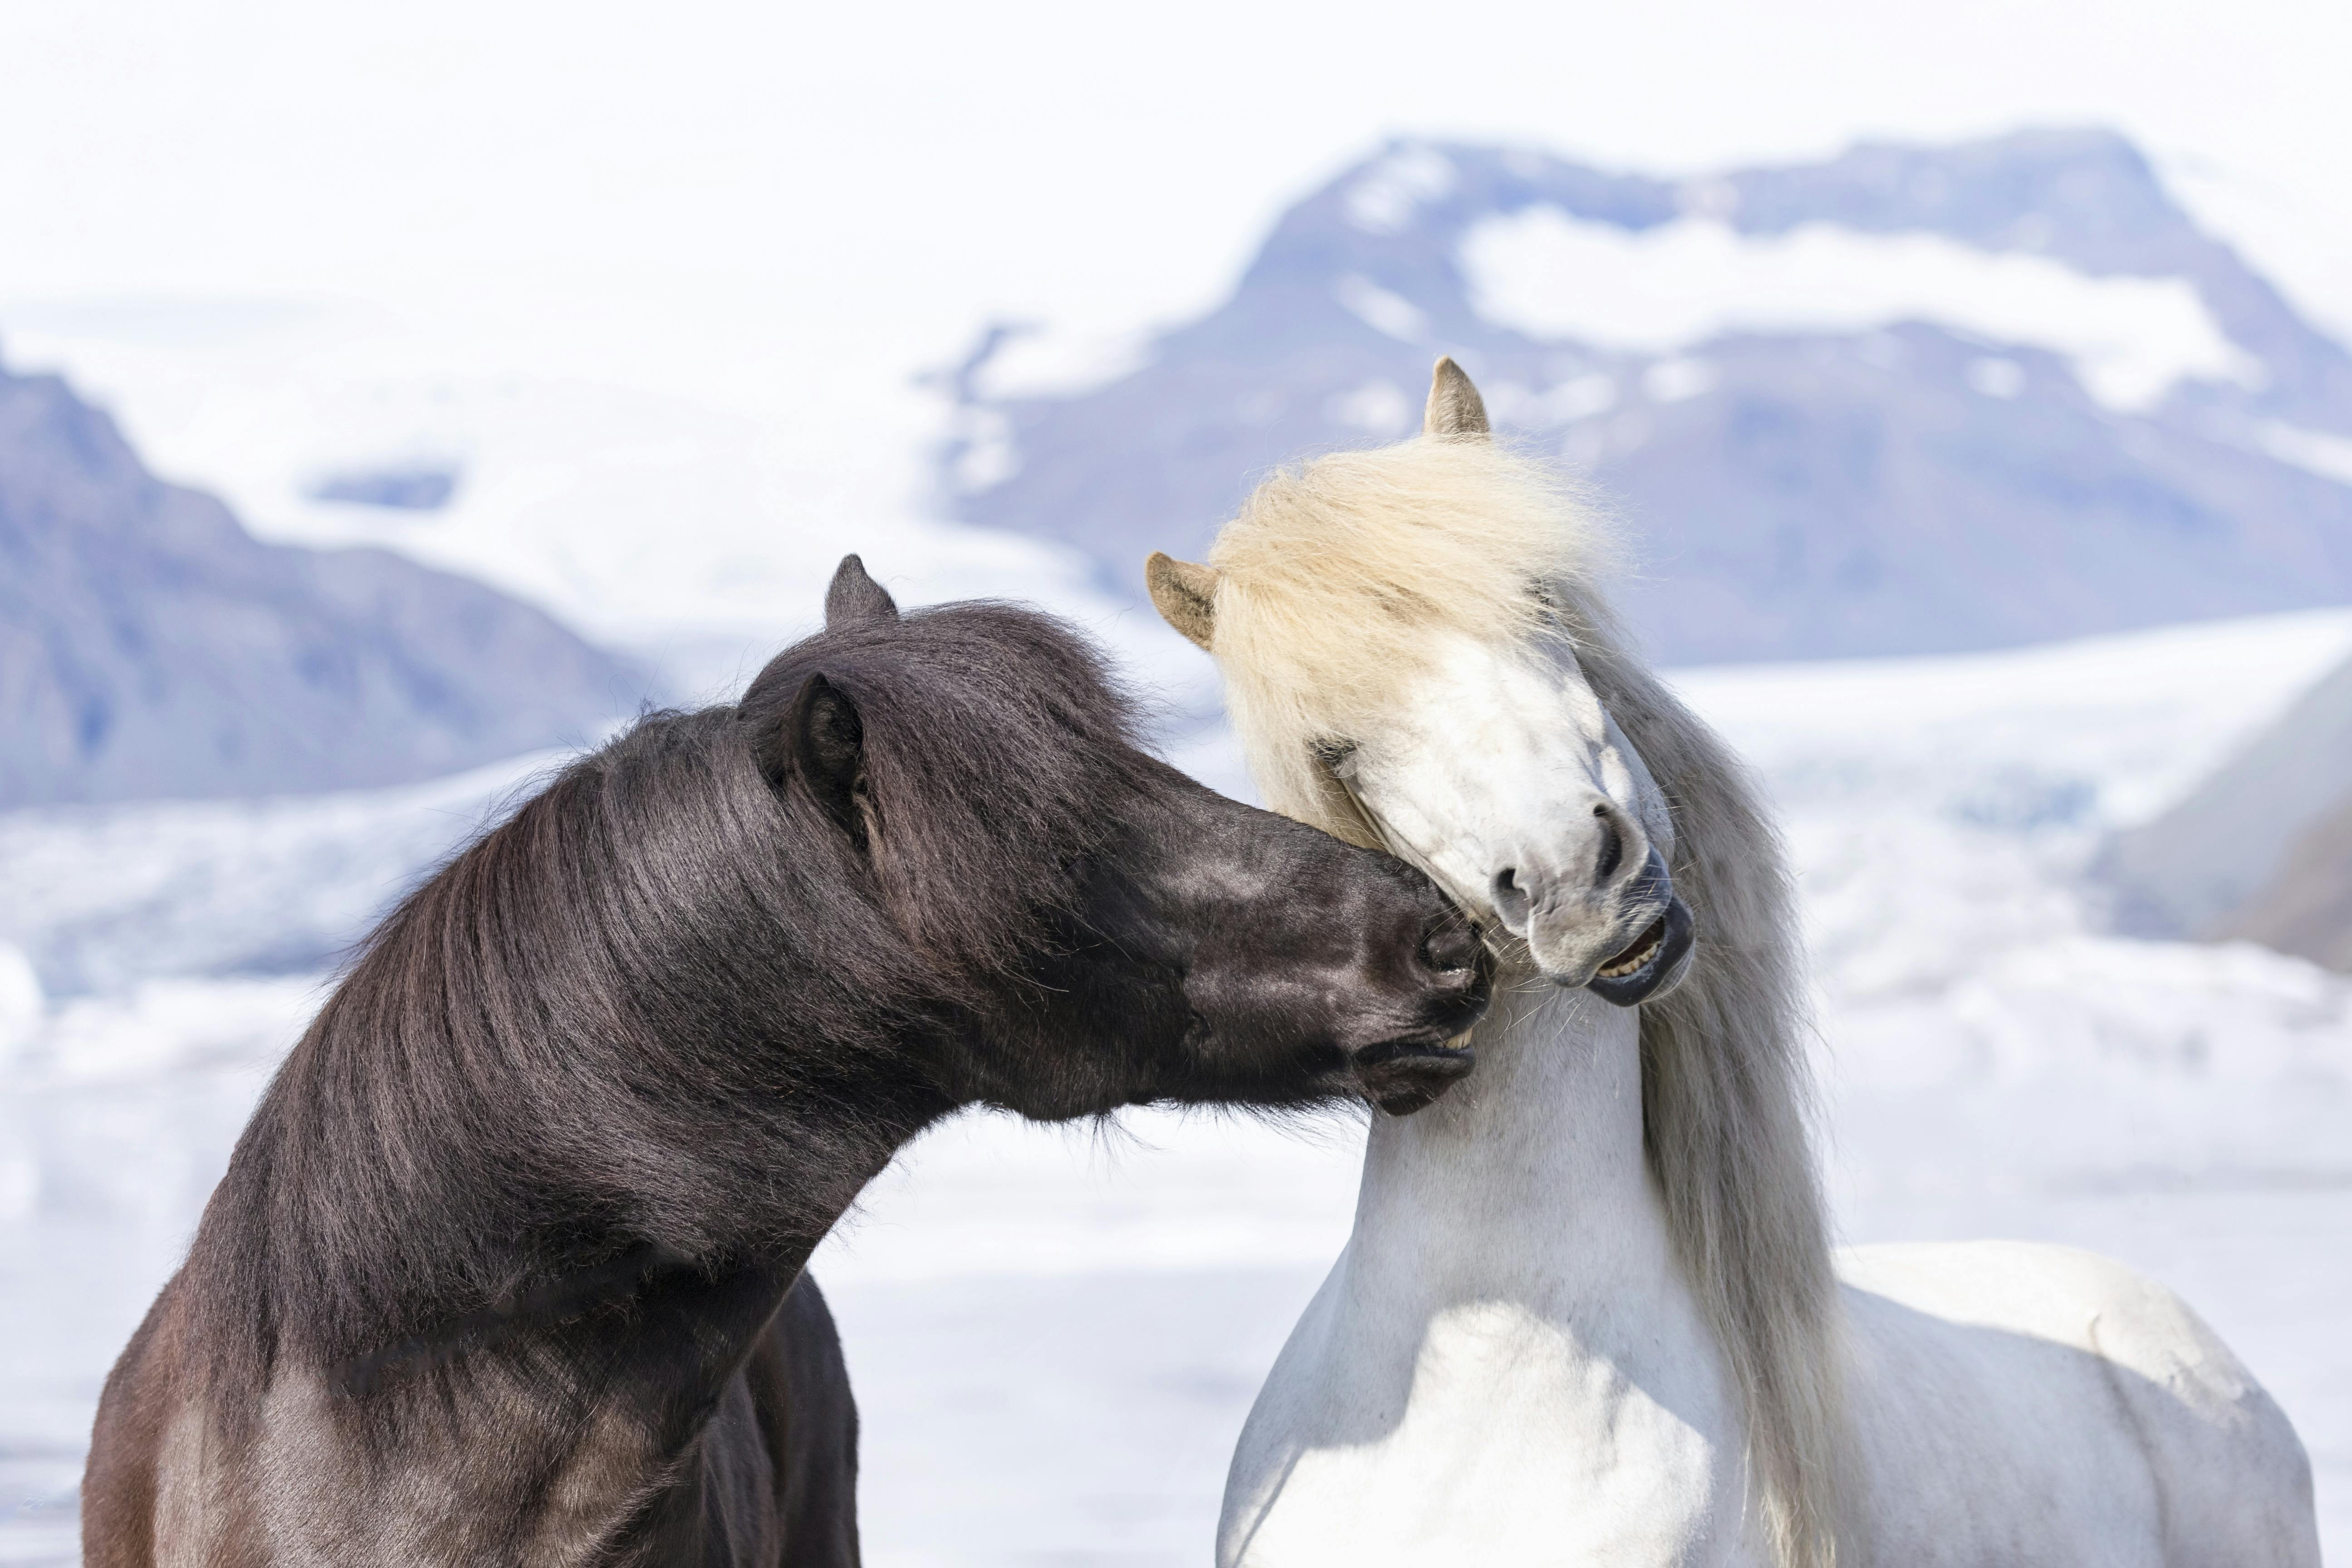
(565, 1056)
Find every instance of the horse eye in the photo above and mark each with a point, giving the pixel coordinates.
(1331, 754)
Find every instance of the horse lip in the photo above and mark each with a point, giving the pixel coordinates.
(1403, 1074)
(1420, 1044)
(1674, 946)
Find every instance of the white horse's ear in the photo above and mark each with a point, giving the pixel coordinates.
(1455, 407)
(1184, 595)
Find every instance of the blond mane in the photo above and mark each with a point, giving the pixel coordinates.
(1330, 582)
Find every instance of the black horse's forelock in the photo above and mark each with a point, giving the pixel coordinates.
(569, 1047)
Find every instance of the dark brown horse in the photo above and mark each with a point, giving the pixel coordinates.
(507, 1268)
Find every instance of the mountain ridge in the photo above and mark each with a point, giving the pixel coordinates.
(151, 648)
(1793, 490)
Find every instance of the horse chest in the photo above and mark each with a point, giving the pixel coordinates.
(303, 1493)
(1498, 1433)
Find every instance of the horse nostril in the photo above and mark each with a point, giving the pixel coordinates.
(1450, 946)
(1610, 853)
(1511, 900)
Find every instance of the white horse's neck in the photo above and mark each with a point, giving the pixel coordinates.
(1532, 1171)
(1511, 1292)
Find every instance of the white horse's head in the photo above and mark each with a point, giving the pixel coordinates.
(1399, 632)
(1417, 655)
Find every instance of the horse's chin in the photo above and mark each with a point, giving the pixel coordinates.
(1401, 1076)
(1651, 964)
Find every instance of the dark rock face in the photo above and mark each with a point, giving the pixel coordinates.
(1806, 494)
(150, 646)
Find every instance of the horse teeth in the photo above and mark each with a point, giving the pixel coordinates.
(1631, 965)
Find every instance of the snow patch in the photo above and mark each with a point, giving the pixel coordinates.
(1544, 273)
(1564, 403)
(169, 1025)
(1384, 199)
(21, 1004)
(1058, 361)
(1380, 310)
(2330, 456)
(989, 456)
(1679, 379)
(1992, 377)
(1378, 408)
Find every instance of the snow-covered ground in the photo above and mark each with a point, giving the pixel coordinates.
(1054, 1333)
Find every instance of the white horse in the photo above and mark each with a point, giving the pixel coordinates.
(1590, 1312)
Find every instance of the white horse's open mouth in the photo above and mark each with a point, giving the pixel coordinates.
(1648, 962)
(1638, 956)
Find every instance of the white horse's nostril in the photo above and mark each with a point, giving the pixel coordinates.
(1609, 853)
(1512, 902)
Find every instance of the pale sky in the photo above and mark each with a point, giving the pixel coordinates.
(784, 213)
(902, 169)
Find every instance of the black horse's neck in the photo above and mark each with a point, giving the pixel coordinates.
(582, 1109)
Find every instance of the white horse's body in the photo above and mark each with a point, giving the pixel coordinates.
(1507, 1366)
(1589, 1313)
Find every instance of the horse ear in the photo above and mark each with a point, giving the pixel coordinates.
(1455, 407)
(1184, 595)
(827, 744)
(855, 596)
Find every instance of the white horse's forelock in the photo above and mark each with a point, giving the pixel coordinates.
(1332, 579)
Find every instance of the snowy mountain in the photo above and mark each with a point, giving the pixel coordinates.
(151, 646)
(682, 508)
(1907, 400)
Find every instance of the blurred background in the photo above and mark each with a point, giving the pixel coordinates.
(391, 400)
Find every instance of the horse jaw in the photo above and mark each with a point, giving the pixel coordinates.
(1499, 773)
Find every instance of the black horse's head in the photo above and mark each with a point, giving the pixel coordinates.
(1102, 929)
